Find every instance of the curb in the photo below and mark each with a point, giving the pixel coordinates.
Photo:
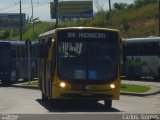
(140, 94)
(121, 93)
(24, 86)
(154, 91)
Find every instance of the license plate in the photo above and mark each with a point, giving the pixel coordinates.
(86, 94)
(93, 87)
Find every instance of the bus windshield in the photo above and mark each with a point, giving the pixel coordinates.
(88, 60)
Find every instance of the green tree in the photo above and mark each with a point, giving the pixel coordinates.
(120, 6)
(5, 34)
(126, 25)
(140, 3)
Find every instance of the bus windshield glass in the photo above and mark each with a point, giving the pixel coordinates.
(88, 55)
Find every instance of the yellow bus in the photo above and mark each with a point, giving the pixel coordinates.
(80, 63)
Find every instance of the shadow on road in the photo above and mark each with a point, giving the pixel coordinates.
(76, 107)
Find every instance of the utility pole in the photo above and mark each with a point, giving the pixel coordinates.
(20, 20)
(29, 44)
(32, 21)
(110, 10)
(110, 6)
(56, 12)
(20, 30)
(159, 17)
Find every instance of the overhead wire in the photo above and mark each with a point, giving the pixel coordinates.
(7, 7)
(16, 3)
(28, 7)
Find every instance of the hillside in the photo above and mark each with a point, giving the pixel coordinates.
(132, 21)
(139, 22)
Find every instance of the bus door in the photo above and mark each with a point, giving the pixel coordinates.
(48, 67)
(41, 64)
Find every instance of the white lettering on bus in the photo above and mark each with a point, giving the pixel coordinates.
(86, 35)
(71, 35)
(92, 35)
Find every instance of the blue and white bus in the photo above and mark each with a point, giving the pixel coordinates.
(5, 62)
(20, 61)
(141, 57)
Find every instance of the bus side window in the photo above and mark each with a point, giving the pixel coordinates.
(23, 51)
(33, 51)
(17, 51)
(128, 49)
(158, 50)
(13, 53)
(47, 46)
(134, 49)
(41, 48)
(149, 48)
(145, 49)
(153, 48)
(137, 49)
(131, 49)
(141, 48)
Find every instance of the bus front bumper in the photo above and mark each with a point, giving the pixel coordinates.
(60, 93)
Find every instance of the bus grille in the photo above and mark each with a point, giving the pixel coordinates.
(96, 96)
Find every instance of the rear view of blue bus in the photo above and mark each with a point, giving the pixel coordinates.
(5, 63)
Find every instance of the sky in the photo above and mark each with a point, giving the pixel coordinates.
(41, 8)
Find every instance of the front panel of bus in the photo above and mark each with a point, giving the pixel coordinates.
(5, 62)
(87, 65)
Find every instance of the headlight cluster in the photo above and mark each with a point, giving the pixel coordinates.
(112, 86)
(62, 84)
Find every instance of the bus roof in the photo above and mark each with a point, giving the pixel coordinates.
(14, 42)
(4, 42)
(47, 33)
(145, 39)
(65, 28)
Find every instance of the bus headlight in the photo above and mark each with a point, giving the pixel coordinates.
(112, 86)
(62, 84)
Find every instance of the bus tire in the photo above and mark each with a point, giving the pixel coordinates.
(108, 103)
(54, 102)
(44, 97)
(159, 74)
(131, 75)
(6, 83)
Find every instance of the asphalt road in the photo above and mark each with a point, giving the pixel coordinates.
(20, 101)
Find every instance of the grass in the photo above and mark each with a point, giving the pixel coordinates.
(124, 87)
(32, 83)
(134, 88)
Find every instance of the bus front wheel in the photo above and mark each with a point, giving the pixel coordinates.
(159, 73)
(44, 97)
(108, 103)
